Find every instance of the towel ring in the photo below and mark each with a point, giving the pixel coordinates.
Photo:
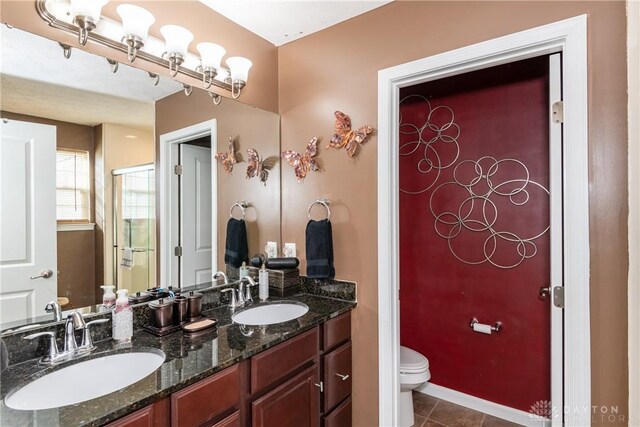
(323, 202)
(241, 205)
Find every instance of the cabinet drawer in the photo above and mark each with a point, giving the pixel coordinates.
(202, 401)
(232, 420)
(340, 417)
(337, 376)
(271, 365)
(156, 415)
(295, 403)
(336, 331)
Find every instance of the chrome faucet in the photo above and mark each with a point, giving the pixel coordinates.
(71, 348)
(220, 274)
(54, 307)
(74, 321)
(247, 288)
(233, 301)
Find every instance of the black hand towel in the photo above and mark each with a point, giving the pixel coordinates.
(236, 249)
(319, 242)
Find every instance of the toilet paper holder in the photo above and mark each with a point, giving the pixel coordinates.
(497, 327)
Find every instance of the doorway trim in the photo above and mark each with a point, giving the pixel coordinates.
(168, 192)
(570, 38)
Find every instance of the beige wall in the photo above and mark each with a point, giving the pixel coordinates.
(633, 74)
(75, 249)
(336, 69)
(204, 23)
(253, 128)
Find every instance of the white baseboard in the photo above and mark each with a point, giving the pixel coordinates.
(481, 405)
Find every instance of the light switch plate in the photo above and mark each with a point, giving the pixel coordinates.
(289, 250)
(271, 249)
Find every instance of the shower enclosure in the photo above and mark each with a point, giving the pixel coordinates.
(134, 228)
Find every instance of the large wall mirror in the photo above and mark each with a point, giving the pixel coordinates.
(91, 194)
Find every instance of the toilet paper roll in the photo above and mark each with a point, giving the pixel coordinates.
(482, 328)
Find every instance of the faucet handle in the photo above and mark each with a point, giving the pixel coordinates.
(87, 341)
(52, 354)
(234, 302)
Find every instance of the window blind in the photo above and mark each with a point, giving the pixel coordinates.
(72, 185)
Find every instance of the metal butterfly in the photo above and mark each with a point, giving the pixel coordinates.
(345, 137)
(258, 167)
(303, 163)
(228, 159)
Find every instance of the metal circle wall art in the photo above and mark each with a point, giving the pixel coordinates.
(478, 196)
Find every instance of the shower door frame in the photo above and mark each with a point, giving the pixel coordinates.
(568, 37)
(115, 173)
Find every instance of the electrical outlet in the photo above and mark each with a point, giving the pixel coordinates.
(271, 249)
(289, 250)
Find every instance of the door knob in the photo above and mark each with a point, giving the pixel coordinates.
(544, 293)
(46, 274)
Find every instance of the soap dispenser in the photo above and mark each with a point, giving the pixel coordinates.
(263, 283)
(109, 298)
(244, 270)
(122, 318)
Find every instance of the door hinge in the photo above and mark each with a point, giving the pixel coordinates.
(558, 296)
(320, 386)
(177, 169)
(177, 251)
(557, 112)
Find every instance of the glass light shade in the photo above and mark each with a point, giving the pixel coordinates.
(176, 38)
(90, 8)
(211, 54)
(239, 68)
(136, 20)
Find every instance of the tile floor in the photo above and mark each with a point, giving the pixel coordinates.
(432, 412)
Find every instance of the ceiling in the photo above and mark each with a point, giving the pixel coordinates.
(282, 21)
(81, 89)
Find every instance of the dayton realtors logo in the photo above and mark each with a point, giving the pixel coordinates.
(544, 410)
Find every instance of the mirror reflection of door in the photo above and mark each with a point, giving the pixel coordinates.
(28, 274)
(195, 207)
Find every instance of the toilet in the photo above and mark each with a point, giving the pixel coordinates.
(414, 372)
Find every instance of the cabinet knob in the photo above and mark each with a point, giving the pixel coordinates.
(344, 377)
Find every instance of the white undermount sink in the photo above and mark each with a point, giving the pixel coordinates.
(270, 313)
(85, 380)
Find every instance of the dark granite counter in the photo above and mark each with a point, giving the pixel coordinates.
(188, 360)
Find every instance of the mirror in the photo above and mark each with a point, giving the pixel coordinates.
(111, 209)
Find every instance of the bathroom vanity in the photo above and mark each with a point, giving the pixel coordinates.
(292, 373)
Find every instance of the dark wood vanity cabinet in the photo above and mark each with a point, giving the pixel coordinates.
(303, 381)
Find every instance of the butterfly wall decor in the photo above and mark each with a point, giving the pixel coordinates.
(303, 163)
(228, 159)
(345, 137)
(258, 167)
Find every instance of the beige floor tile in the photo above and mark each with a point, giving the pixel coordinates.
(418, 420)
(490, 421)
(452, 415)
(423, 404)
(431, 423)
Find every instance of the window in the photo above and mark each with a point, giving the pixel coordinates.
(72, 185)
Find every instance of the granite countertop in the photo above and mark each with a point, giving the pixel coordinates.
(188, 360)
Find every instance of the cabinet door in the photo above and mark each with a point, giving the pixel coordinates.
(232, 420)
(156, 415)
(295, 403)
(337, 376)
(340, 417)
(204, 400)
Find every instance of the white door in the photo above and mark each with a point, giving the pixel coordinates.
(27, 219)
(196, 262)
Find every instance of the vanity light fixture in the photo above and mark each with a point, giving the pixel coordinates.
(239, 68)
(86, 14)
(210, 58)
(136, 21)
(131, 36)
(177, 41)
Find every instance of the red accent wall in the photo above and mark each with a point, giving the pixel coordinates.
(501, 112)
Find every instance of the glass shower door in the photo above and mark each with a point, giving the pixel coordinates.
(134, 228)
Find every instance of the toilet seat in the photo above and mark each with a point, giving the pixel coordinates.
(412, 362)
